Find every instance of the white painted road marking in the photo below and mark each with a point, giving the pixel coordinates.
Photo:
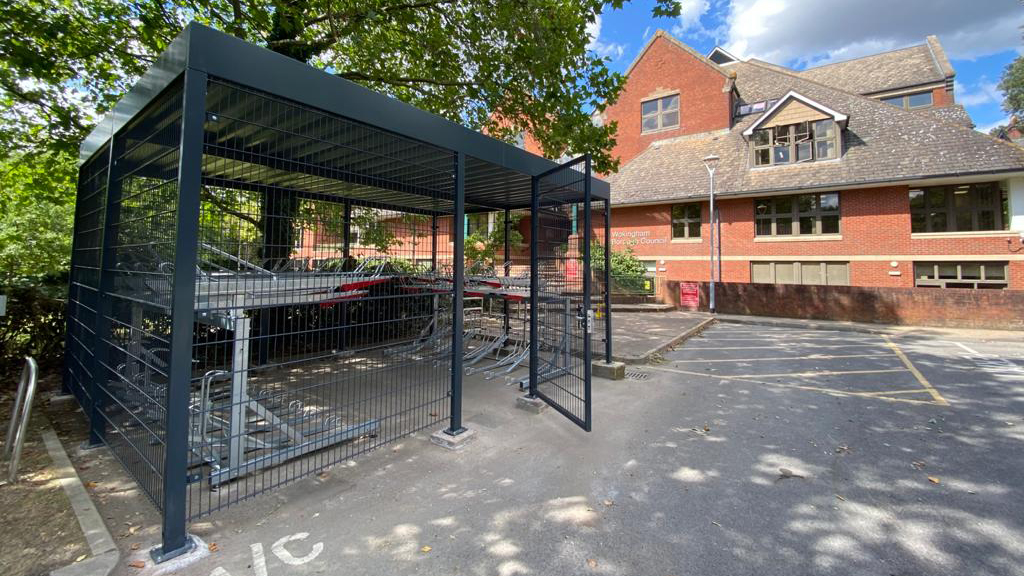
(285, 556)
(259, 558)
(969, 349)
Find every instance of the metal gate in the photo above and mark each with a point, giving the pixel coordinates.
(561, 318)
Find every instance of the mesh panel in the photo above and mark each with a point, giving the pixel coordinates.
(598, 286)
(323, 310)
(90, 207)
(134, 330)
(561, 249)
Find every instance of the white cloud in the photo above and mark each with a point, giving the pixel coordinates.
(805, 32)
(983, 92)
(690, 13)
(604, 49)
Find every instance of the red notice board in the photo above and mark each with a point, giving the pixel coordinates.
(689, 295)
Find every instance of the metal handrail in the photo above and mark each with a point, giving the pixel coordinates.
(19, 418)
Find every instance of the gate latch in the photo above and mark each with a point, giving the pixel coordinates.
(590, 321)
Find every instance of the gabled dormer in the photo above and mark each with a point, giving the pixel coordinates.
(795, 130)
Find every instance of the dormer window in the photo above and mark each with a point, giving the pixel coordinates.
(795, 143)
(659, 114)
(794, 130)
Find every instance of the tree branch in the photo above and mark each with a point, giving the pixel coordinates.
(49, 110)
(403, 81)
(394, 8)
(221, 205)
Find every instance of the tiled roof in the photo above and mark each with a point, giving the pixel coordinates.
(882, 143)
(956, 114)
(886, 71)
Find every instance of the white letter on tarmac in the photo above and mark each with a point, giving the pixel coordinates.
(286, 556)
(259, 561)
(218, 571)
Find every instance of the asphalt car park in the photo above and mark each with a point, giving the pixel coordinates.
(748, 450)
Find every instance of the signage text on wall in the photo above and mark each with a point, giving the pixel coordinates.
(634, 237)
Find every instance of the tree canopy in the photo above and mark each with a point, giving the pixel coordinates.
(1012, 86)
(503, 66)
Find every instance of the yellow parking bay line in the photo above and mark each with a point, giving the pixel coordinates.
(917, 373)
(887, 392)
(876, 395)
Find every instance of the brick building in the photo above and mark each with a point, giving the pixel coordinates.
(860, 173)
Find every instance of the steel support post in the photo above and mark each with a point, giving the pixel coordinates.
(608, 281)
(458, 285)
(588, 311)
(534, 285)
(176, 540)
(711, 228)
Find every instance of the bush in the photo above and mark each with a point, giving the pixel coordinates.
(625, 264)
(33, 326)
(36, 214)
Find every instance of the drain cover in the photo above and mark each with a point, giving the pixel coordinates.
(637, 375)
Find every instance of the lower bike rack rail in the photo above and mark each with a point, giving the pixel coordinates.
(18, 425)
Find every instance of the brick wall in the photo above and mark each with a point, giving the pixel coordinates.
(665, 68)
(961, 308)
(874, 230)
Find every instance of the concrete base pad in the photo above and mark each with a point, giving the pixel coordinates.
(449, 442)
(609, 370)
(197, 552)
(533, 405)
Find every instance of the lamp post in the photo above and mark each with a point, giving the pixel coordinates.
(710, 162)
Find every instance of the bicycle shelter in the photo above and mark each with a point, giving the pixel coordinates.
(270, 275)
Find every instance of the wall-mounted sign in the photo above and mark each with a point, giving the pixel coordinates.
(689, 295)
(634, 237)
(572, 269)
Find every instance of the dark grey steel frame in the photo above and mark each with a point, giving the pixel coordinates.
(200, 53)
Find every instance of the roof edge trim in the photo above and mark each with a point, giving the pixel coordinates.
(659, 33)
(723, 52)
(839, 117)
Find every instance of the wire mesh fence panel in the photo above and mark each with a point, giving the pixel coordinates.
(133, 328)
(84, 282)
(561, 236)
(497, 283)
(599, 286)
(323, 296)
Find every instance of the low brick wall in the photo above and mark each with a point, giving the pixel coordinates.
(948, 307)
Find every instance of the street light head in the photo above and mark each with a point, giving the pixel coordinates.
(710, 161)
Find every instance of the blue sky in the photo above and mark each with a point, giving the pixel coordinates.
(980, 37)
